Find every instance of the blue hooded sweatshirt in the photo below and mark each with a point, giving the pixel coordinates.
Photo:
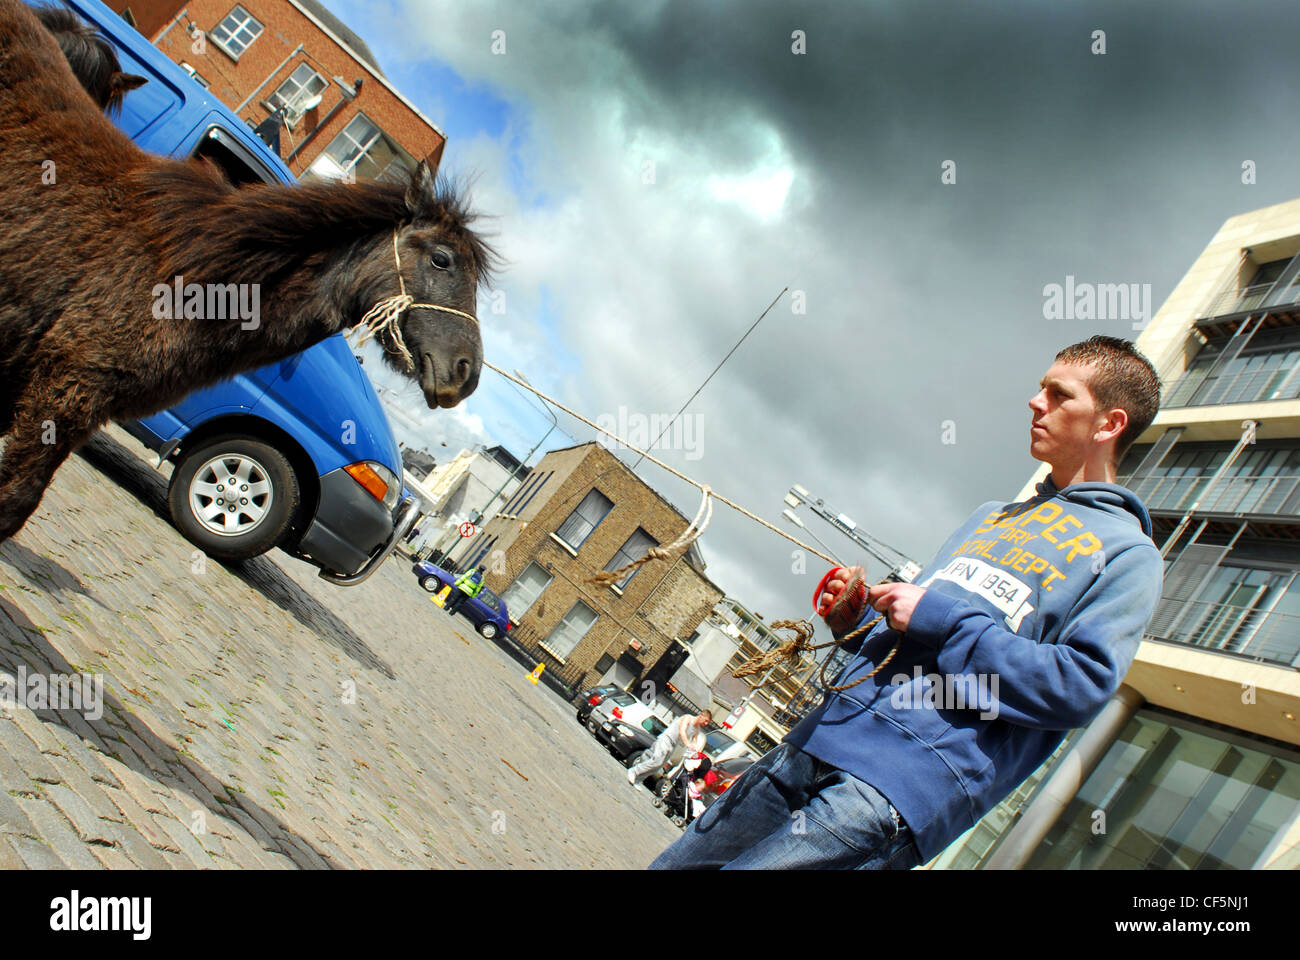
(1031, 615)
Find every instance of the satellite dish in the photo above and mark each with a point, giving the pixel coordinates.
(311, 103)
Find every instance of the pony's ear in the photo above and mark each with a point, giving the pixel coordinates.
(421, 196)
(123, 82)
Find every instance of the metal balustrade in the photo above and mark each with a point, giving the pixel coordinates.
(1249, 631)
(1259, 494)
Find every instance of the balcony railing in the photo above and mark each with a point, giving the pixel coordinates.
(1233, 299)
(1192, 389)
(1246, 630)
(1269, 495)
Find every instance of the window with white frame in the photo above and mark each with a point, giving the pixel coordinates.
(528, 586)
(636, 546)
(364, 152)
(236, 32)
(579, 524)
(303, 84)
(568, 633)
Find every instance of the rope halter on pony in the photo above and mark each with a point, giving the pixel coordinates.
(385, 314)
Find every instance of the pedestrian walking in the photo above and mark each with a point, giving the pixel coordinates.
(686, 731)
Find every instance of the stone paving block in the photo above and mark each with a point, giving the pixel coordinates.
(91, 761)
(12, 819)
(58, 833)
(87, 790)
(112, 858)
(142, 790)
(28, 759)
(89, 828)
(132, 841)
(37, 855)
(183, 840)
(138, 747)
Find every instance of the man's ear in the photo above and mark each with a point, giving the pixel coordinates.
(1115, 423)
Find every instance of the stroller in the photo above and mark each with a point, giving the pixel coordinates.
(675, 795)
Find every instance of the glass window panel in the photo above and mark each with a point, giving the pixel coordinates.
(528, 586)
(579, 524)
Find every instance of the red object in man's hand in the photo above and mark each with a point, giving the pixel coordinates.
(841, 610)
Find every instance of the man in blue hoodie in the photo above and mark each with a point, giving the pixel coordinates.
(1020, 629)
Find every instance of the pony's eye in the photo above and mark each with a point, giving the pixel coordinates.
(441, 259)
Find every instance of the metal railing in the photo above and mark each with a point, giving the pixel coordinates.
(1250, 631)
(1265, 495)
(1234, 299)
(1193, 389)
(565, 679)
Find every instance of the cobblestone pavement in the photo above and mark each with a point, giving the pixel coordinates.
(227, 739)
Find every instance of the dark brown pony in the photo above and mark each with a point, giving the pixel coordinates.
(91, 57)
(93, 232)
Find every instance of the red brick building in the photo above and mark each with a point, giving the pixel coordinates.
(581, 511)
(295, 63)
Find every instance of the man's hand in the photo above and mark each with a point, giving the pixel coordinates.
(837, 609)
(896, 601)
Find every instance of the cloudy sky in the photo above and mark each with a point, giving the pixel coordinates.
(658, 172)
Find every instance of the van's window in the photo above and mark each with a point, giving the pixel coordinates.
(654, 725)
(223, 150)
(622, 699)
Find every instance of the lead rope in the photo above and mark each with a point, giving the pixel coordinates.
(385, 314)
(792, 648)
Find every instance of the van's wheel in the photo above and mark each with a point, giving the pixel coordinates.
(591, 727)
(233, 497)
(431, 583)
(489, 630)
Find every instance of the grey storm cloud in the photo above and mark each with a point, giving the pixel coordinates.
(925, 300)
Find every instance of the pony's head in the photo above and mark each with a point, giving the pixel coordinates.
(443, 262)
(91, 57)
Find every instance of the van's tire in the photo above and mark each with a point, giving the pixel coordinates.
(265, 502)
(488, 629)
(431, 583)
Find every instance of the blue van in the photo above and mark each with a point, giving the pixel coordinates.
(298, 454)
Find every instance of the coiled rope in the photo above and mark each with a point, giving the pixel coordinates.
(791, 648)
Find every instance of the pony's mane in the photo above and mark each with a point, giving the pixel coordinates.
(264, 228)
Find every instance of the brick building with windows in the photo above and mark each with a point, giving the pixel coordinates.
(581, 511)
(299, 74)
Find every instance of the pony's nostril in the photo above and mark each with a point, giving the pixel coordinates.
(463, 368)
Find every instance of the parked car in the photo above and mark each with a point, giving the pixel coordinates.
(626, 739)
(591, 698)
(487, 611)
(303, 443)
(619, 706)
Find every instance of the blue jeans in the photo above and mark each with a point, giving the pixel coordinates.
(791, 811)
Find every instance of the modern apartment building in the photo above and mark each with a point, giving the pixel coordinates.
(1195, 764)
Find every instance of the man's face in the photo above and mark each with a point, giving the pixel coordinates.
(1065, 417)
(701, 719)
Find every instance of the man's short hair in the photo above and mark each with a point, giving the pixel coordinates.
(707, 713)
(1121, 377)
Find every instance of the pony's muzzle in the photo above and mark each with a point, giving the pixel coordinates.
(447, 381)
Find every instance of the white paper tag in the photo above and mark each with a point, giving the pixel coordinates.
(1005, 592)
